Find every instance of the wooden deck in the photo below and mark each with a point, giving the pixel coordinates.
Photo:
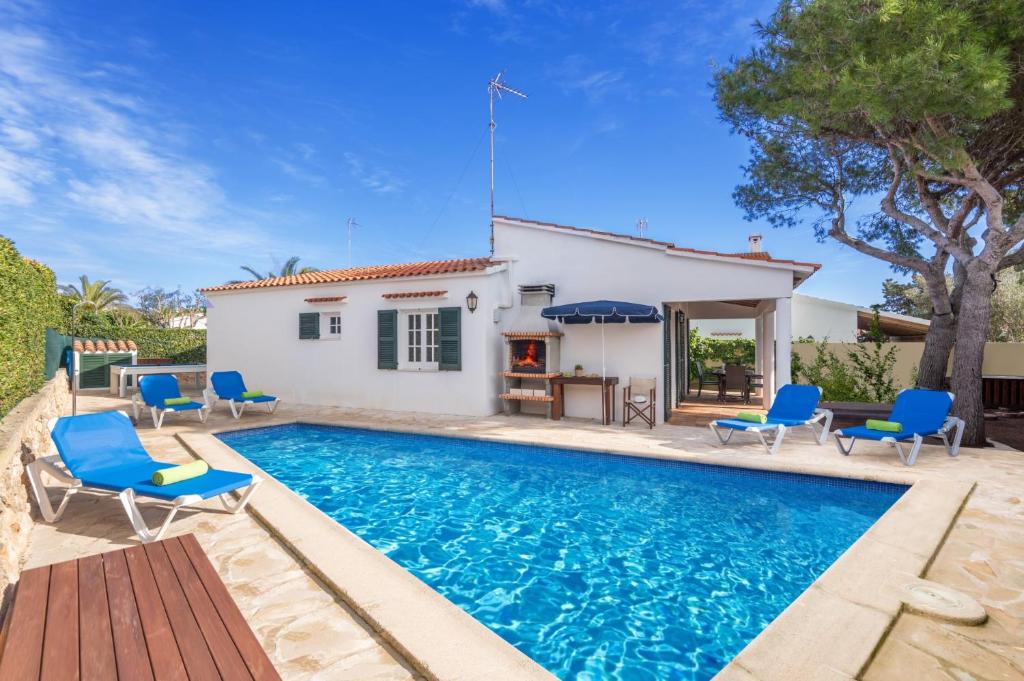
(700, 412)
(151, 612)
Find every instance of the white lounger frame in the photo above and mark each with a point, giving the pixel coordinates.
(159, 412)
(780, 431)
(952, 424)
(52, 465)
(211, 399)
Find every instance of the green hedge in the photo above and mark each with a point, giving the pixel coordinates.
(715, 351)
(28, 304)
(183, 346)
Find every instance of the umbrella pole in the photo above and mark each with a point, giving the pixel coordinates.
(603, 372)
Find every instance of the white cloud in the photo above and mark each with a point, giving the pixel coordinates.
(575, 74)
(296, 171)
(72, 143)
(18, 177)
(376, 179)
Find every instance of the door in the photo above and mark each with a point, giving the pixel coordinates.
(681, 356)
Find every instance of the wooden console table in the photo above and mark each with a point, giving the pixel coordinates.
(607, 385)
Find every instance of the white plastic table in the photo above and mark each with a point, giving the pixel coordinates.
(126, 370)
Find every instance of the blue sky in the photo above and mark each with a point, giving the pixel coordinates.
(166, 144)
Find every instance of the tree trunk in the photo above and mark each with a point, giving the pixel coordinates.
(971, 334)
(938, 343)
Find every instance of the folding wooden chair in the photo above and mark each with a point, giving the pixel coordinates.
(638, 401)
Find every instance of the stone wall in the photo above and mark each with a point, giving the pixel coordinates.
(23, 437)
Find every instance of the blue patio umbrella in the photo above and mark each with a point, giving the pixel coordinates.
(603, 312)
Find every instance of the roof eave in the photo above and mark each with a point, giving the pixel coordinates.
(666, 247)
(486, 271)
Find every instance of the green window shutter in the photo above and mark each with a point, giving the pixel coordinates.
(309, 325)
(94, 371)
(667, 359)
(450, 338)
(387, 339)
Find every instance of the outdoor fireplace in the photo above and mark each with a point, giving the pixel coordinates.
(531, 361)
(527, 355)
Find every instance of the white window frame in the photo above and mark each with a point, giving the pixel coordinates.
(326, 328)
(408, 336)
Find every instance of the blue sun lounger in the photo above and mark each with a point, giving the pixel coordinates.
(228, 385)
(921, 413)
(794, 406)
(103, 452)
(155, 390)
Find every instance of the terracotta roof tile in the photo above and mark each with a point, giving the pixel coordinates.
(415, 294)
(413, 269)
(326, 299)
(103, 345)
(763, 256)
(525, 335)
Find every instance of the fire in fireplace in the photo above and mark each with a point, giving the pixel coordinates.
(528, 356)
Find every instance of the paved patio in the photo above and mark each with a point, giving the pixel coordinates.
(310, 634)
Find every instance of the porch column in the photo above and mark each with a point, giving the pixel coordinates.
(783, 341)
(767, 323)
(758, 343)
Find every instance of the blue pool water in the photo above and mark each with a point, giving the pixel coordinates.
(596, 566)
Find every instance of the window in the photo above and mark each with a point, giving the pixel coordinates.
(330, 325)
(422, 339)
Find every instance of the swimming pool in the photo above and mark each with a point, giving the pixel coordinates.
(597, 566)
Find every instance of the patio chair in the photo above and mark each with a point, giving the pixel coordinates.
(704, 379)
(794, 406)
(754, 382)
(155, 391)
(919, 413)
(735, 379)
(638, 401)
(228, 385)
(103, 452)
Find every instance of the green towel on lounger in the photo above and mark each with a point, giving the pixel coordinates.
(887, 426)
(176, 401)
(252, 393)
(169, 476)
(752, 417)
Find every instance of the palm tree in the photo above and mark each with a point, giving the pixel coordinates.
(289, 269)
(98, 292)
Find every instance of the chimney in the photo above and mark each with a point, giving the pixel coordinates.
(755, 243)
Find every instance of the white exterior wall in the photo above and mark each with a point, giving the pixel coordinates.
(587, 267)
(815, 317)
(822, 319)
(725, 329)
(257, 333)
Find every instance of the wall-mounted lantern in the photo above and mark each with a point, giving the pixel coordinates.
(471, 301)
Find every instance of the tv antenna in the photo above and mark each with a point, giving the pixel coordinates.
(496, 87)
(350, 224)
(641, 226)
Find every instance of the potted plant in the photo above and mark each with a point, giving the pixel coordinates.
(579, 370)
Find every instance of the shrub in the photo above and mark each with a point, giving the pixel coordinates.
(28, 304)
(873, 367)
(733, 351)
(185, 346)
(831, 374)
(865, 376)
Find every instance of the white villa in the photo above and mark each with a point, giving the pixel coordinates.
(438, 336)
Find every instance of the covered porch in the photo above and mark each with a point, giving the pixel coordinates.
(771, 367)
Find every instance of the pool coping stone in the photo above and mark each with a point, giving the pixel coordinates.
(831, 631)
